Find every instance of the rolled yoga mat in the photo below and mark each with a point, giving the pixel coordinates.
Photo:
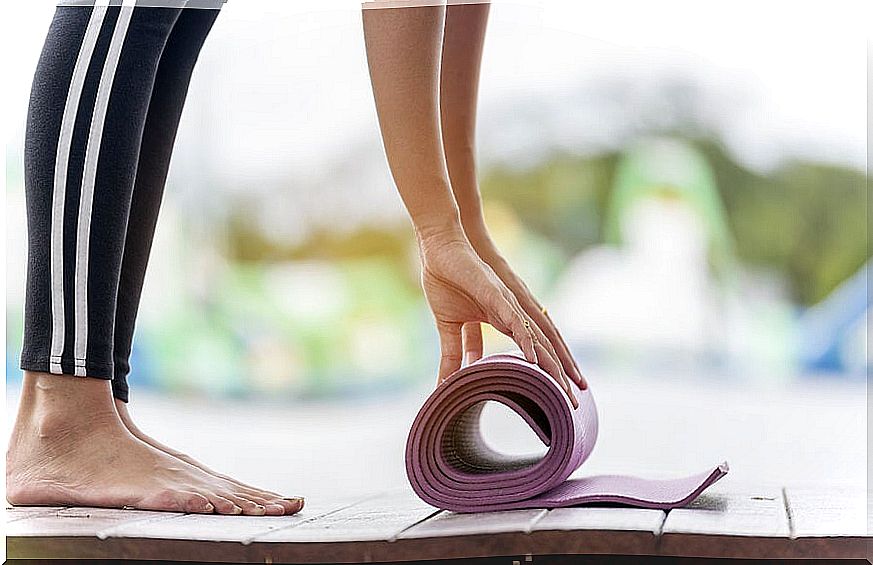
(450, 466)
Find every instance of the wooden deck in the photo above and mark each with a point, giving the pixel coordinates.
(796, 486)
(396, 526)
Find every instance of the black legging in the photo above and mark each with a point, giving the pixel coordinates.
(104, 109)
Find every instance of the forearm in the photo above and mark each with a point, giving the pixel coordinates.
(462, 53)
(403, 52)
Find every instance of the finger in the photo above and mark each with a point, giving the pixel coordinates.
(536, 311)
(562, 355)
(553, 368)
(472, 337)
(563, 348)
(515, 328)
(451, 350)
(544, 340)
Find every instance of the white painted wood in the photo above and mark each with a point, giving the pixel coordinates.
(81, 522)
(602, 518)
(756, 513)
(832, 512)
(215, 527)
(446, 524)
(377, 518)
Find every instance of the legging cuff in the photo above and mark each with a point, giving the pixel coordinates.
(68, 366)
(104, 371)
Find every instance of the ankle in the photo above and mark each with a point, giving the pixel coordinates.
(52, 405)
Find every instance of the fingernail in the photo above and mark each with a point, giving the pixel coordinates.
(237, 509)
(209, 507)
(294, 499)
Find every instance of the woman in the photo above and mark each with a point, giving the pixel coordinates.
(105, 106)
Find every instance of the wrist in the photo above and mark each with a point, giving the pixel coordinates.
(437, 232)
(477, 233)
(480, 239)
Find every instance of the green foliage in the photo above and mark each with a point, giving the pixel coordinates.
(564, 199)
(805, 220)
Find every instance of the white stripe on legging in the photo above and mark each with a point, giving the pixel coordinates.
(59, 191)
(89, 177)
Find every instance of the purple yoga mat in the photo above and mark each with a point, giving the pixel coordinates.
(450, 466)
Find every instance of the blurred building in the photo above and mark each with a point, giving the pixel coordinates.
(663, 293)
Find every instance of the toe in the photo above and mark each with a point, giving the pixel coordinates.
(295, 504)
(249, 507)
(272, 506)
(274, 509)
(176, 501)
(290, 505)
(196, 503)
(223, 505)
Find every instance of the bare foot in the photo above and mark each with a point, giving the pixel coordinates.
(261, 496)
(69, 447)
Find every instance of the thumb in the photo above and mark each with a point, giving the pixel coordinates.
(472, 332)
(451, 352)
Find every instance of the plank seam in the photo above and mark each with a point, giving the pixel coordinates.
(792, 533)
(659, 529)
(659, 532)
(393, 537)
(251, 539)
(535, 520)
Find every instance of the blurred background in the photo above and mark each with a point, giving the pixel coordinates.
(687, 195)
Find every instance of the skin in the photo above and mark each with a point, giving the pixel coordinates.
(424, 67)
(70, 446)
(74, 444)
(463, 41)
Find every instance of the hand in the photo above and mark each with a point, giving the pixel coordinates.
(489, 253)
(463, 291)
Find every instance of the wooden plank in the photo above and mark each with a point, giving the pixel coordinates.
(215, 527)
(162, 536)
(375, 518)
(750, 525)
(359, 533)
(468, 535)
(80, 522)
(448, 524)
(598, 530)
(729, 524)
(603, 519)
(833, 512)
(14, 513)
(828, 522)
(757, 513)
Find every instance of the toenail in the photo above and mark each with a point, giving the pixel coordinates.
(208, 507)
(294, 499)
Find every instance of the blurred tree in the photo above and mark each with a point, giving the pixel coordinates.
(805, 220)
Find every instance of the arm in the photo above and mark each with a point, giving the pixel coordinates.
(463, 41)
(403, 53)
